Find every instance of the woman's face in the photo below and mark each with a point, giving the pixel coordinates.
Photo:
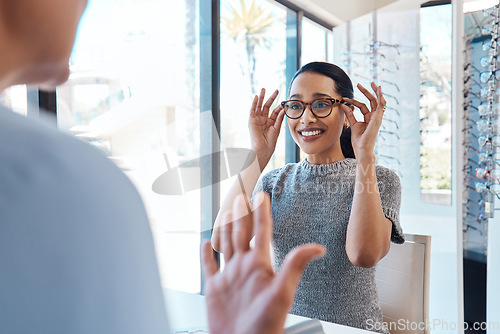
(319, 138)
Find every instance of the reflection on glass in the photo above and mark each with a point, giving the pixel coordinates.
(253, 56)
(132, 94)
(435, 104)
(16, 99)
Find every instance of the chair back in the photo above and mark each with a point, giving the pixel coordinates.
(403, 285)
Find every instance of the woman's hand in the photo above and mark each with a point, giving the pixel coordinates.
(264, 128)
(364, 134)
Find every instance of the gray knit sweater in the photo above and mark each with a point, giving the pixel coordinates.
(312, 203)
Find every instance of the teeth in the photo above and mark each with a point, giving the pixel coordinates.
(311, 133)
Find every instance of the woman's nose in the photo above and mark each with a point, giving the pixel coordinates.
(307, 117)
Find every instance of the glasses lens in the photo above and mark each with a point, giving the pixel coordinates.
(480, 173)
(496, 108)
(483, 156)
(485, 31)
(486, 61)
(483, 109)
(487, 45)
(485, 76)
(482, 126)
(495, 174)
(322, 108)
(496, 140)
(481, 141)
(480, 187)
(485, 92)
(293, 109)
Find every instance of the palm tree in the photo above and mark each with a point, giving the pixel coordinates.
(248, 27)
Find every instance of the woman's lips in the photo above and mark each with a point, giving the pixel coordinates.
(310, 134)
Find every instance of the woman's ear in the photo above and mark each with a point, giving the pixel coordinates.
(346, 122)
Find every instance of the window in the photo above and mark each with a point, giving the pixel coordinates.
(16, 99)
(435, 104)
(145, 92)
(134, 95)
(253, 56)
(315, 42)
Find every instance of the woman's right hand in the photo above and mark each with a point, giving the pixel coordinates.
(264, 128)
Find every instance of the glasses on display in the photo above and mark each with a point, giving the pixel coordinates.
(379, 45)
(483, 140)
(481, 114)
(487, 76)
(320, 108)
(490, 44)
(469, 226)
(382, 60)
(492, 174)
(470, 80)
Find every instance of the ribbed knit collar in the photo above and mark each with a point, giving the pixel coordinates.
(332, 168)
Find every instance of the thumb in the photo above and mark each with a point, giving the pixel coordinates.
(294, 265)
(349, 114)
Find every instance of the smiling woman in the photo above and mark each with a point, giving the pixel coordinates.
(351, 206)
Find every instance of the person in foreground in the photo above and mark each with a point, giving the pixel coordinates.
(76, 249)
(337, 196)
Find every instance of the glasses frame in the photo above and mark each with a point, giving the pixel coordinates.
(333, 101)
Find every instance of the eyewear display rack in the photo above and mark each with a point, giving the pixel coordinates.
(481, 113)
(481, 184)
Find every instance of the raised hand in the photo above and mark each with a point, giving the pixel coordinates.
(264, 127)
(364, 134)
(248, 297)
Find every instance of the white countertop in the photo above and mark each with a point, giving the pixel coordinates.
(188, 312)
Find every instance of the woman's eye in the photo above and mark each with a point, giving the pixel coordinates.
(295, 106)
(321, 104)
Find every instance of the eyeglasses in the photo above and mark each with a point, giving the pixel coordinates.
(486, 76)
(320, 108)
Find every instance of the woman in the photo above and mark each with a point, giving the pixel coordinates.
(336, 197)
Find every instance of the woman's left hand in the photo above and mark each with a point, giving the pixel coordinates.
(364, 134)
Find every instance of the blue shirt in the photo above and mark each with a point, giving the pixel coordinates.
(76, 249)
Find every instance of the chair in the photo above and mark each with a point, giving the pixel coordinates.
(403, 285)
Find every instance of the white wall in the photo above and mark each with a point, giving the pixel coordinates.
(340, 11)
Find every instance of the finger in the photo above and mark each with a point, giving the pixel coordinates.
(253, 108)
(208, 260)
(373, 100)
(259, 103)
(381, 98)
(279, 120)
(276, 112)
(262, 223)
(216, 239)
(361, 106)
(294, 265)
(242, 229)
(269, 103)
(349, 114)
(226, 231)
(381, 106)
